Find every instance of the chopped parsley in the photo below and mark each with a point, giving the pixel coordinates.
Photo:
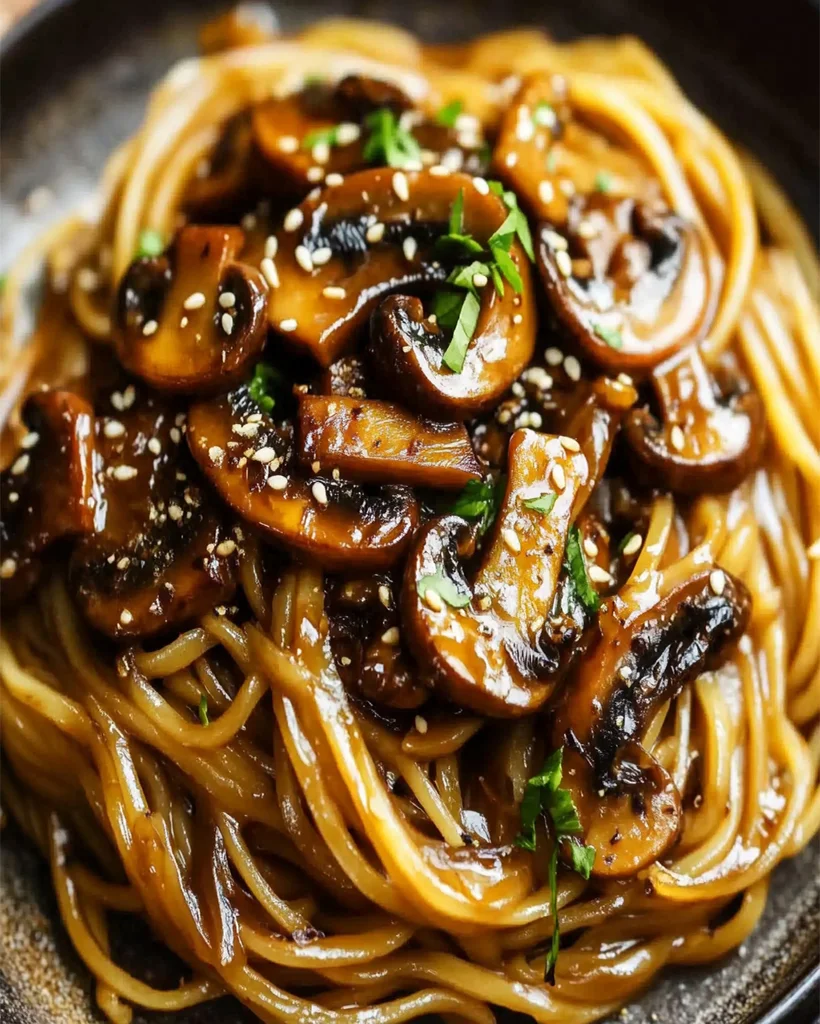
(543, 503)
(203, 710)
(150, 244)
(577, 571)
(389, 143)
(448, 115)
(329, 136)
(544, 794)
(603, 181)
(611, 335)
(445, 588)
(480, 500)
(263, 386)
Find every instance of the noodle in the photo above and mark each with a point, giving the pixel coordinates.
(319, 861)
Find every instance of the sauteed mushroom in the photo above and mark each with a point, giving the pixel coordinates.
(161, 555)
(192, 319)
(707, 438)
(473, 638)
(342, 251)
(225, 178)
(48, 490)
(381, 442)
(250, 460)
(641, 660)
(629, 281)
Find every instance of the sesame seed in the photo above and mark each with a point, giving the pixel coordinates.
(400, 186)
(227, 323)
(269, 272)
(14, 497)
(271, 247)
(567, 187)
(154, 446)
(546, 193)
(511, 159)
(149, 327)
(391, 636)
(510, 538)
(123, 563)
(288, 325)
(264, 455)
(248, 222)
(278, 482)
(717, 581)
(113, 428)
(375, 233)
(433, 599)
(409, 247)
(196, 300)
(347, 132)
(563, 262)
(625, 672)
(88, 279)
(303, 258)
(554, 356)
(175, 435)
(8, 568)
(384, 596)
(420, 722)
(480, 280)
(518, 318)
(315, 174)
(599, 575)
(536, 422)
(288, 143)
(633, 545)
(524, 130)
(539, 377)
(334, 180)
(590, 547)
(558, 476)
(227, 547)
(556, 241)
(175, 512)
(124, 472)
(321, 152)
(227, 300)
(517, 389)
(440, 171)
(625, 379)
(316, 466)
(344, 660)
(293, 219)
(216, 454)
(322, 255)
(334, 292)
(246, 429)
(676, 438)
(126, 617)
(319, 492)
(21, 465)
(586, 229)
(183, 322)
(572, 368)
(336, 474)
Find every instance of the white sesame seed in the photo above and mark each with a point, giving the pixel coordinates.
(14, 497)
(21, 464)
(400, 186)
(319, 492)
(391, 636)
(269, 272)
(433, 599)
(555, 241)
(586, 229)
(288, 143)
(88, 280)
(599, 575)
(334, 180)
(546, 192)
(249, 429)
(321, 152)
(384, 596)
(293, 219)
(334, 292)
(590, 547)
(183, 322)
(569, 443)
(8, 568)
(572, 368)
(149, 327)
(717, 581)
(554, 356)
(303, 258)
(481, 186)
(123, 563)
(536, 422)
(175, 435)
(625, 672)
(564, 262)
(633, 545)
(676, 438)
(29, 440)
(518, 318)
(375, 233)
(420, 722)
(559, 477)
(248, 222)
(227, 323)
(511, 159)
(288, 325)
(196, 300)
(227, 547)
(175, 512)
(511, 539)
(347, 132)
(322, 255)
(409, 247)
(315, 174)
(227, 300)
(124, 472)
(524, 130)
(154, 446)
(277, 482)
(480, 280)
(216, 454)
(625, 379)
(440, 171)
(126, 617)
(113, 428)
(271, 247)
(264, 455)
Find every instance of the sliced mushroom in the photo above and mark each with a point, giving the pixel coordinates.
(161, 555)
(628, 805)
(194, 318)
(629, 281)
(342, 251)
(708, 436)
(224, 179)
(250, 460)
(48, 490)
(347, 376)
(380, 442)
(474, 639)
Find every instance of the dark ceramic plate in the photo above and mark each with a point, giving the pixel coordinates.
(74, 78)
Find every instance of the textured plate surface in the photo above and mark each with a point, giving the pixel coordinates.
(74, 83)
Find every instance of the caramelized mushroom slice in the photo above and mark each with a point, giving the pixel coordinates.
(161, 554)
(250, 460)
(629, 281)
(48, 490)
(474, 640)
(342, 251)
(192, 319)
(628, 805)
(382, 443)
(707, 438)
(224, 178)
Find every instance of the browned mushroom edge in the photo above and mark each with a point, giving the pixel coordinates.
(628, 281)
(251, 462)
(628, 805)
(475, 639)
(193, 319)
(380, 442)
(48, 491)
(161, 555)
(341, 252)
(226, 179)
(709, 432)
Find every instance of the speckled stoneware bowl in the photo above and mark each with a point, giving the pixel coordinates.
(74, 78)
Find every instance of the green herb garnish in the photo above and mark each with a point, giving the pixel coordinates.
(448, 115)
(544, 503)
(203, 710)
(445, 588)
(456, 351)
(480, 500)
(263, 386)
(446, 307)
(329, 136)
(611, 335)
(577, 570)
(388, 142)
(544, 794)
(603, 181)
(544, 115)
(3, 279)
(150, 244)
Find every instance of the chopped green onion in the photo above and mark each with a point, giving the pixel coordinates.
(388, 142)
(603, 182)
(445, 588)
(448, 115)
(544, 503)
(611, 335)
(150, 244)
(330, 136)
(577, 569)
(203, 710)
(264, 384)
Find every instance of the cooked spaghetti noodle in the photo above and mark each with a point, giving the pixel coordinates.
(327, 848)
